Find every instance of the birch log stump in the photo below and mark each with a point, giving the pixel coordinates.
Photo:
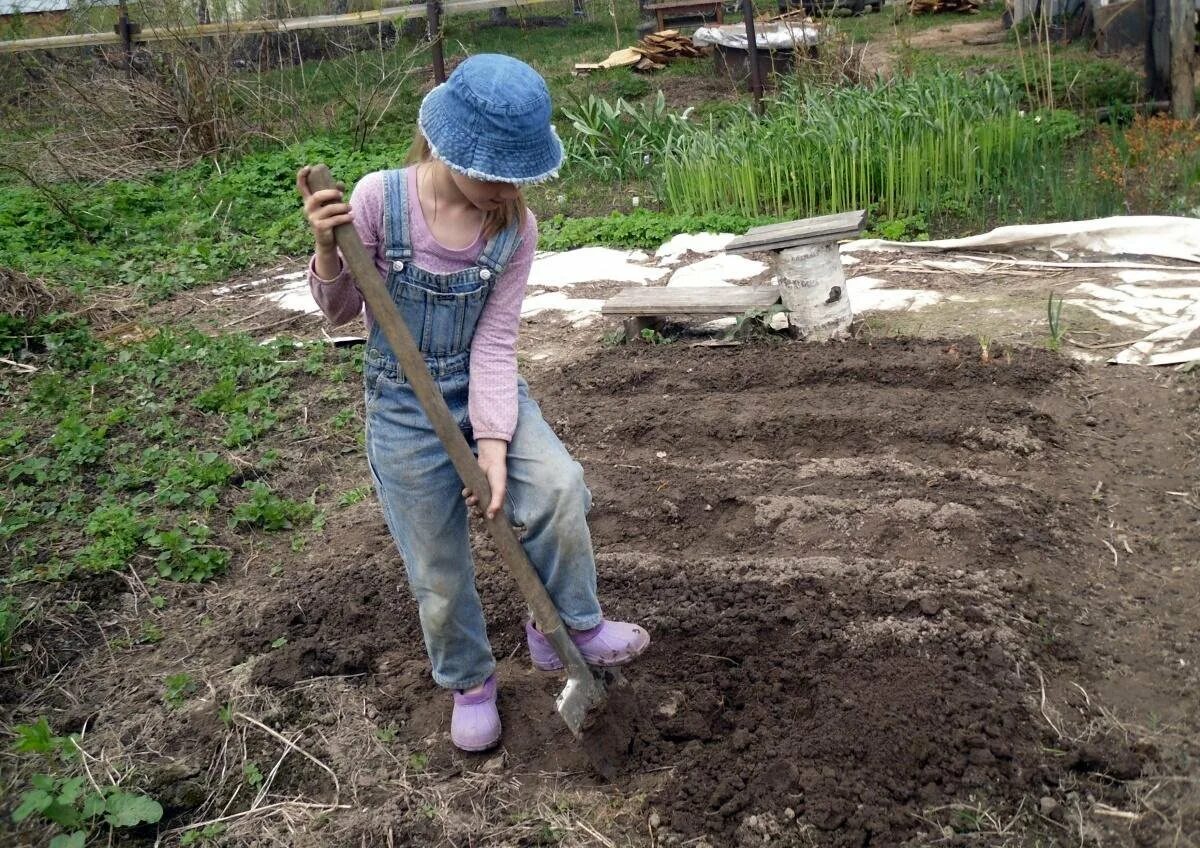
(812, 286)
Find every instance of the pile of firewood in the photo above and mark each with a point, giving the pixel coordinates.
(660, 48)
(921, 7)
(652, 53)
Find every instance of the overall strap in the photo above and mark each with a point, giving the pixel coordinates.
(395, 215)
(500, 249)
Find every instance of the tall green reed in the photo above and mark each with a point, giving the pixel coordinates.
(898, 147)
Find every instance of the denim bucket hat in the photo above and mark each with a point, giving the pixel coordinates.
(491, 121)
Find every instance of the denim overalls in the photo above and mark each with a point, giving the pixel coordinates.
(419, 489)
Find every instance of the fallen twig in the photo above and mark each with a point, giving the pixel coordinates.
(19, 366)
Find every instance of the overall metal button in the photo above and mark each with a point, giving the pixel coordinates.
(398, 265)
(485, 275)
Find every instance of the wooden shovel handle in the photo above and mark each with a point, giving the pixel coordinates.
(383, 310)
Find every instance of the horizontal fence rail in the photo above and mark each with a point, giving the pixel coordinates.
(271, 25)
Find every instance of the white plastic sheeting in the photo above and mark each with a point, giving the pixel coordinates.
(1155, 306)
(719, 270)
(1130, 235)
(673, 251)
(871, 294)
(589, 264)
(1161, 302)
(776, 36)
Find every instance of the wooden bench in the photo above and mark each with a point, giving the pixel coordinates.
(821, 230)
(642, 306)
(706, 9)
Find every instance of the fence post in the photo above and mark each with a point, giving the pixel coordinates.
(126, 30)
(756, 83)
(433, 19)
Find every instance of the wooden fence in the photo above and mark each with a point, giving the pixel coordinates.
(274, 25)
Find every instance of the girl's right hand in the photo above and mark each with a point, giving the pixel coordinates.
(324, 209)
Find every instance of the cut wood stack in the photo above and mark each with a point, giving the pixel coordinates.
(652, 53)
(659, 48)
(922, 7)
(795, 16)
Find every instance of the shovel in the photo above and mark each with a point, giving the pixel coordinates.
(583, 702)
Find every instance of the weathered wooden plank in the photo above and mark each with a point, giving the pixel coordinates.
(795, 233)
(691, 300)
(682, 4)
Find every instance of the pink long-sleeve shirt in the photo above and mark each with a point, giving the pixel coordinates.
(492, 393)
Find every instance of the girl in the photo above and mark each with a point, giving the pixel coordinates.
(454, 241)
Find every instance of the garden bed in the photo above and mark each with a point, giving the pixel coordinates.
(877, 574)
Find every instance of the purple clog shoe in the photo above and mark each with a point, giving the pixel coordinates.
(475, 722)
(607, 644)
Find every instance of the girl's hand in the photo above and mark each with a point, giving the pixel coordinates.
(324, 209)
(493, 459)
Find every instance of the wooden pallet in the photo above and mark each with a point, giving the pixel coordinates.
(642, 306)
(796, 233)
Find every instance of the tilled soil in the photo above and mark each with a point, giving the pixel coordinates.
(852, 562)
(877, 574)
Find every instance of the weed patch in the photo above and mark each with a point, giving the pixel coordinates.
(63, 796)
(118, 455)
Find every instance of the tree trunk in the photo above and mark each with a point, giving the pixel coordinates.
(1183, 59)
(1158, 49)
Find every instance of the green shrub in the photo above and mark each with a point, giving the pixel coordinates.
(641, 229)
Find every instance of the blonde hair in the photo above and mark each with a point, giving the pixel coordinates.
(493, 222)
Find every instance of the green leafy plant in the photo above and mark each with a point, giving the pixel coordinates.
(177, 688)
(185, 553)
(1058, 329)
(620, 140)
(39, 738)
(207, 835)
(985, 349)
(267, 510)
(72, 804)
(905, 228)
(613, 338)
(252, 774)
(72, 801)
(652, 336)
(12, 618)
(756, 324)
(116, 532)
(353, 496)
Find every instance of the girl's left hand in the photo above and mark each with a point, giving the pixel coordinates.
(493, 459)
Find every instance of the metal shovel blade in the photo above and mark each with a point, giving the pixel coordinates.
(585, 694)
(580, 700)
